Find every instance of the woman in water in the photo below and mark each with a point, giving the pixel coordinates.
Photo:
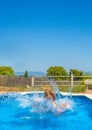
(49, 94)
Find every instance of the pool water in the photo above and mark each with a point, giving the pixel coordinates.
(17, 113)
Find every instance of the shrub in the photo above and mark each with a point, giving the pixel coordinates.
(78, 88)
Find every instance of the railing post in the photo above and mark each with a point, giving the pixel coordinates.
(71, 80)
(32, 83)
(71, 87)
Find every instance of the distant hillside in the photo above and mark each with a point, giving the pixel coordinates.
(38, 73)
(31, 73)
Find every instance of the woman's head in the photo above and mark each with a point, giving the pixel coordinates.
(49, 94)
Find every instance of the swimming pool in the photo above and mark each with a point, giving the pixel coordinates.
(16, 113)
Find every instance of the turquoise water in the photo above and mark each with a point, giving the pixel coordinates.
(25, 112)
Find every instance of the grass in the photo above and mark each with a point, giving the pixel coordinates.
(13, 89)
(38, 88)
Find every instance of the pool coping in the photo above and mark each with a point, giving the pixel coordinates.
(88, 95)
(79, 94)
(64, 93)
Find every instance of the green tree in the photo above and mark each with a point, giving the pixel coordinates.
(77, 73)
(86, 75)
(6, 70)
(56, 71)
(26, 74)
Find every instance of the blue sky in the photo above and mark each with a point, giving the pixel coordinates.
(37, 34)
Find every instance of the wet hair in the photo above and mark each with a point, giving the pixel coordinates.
(49, 94)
